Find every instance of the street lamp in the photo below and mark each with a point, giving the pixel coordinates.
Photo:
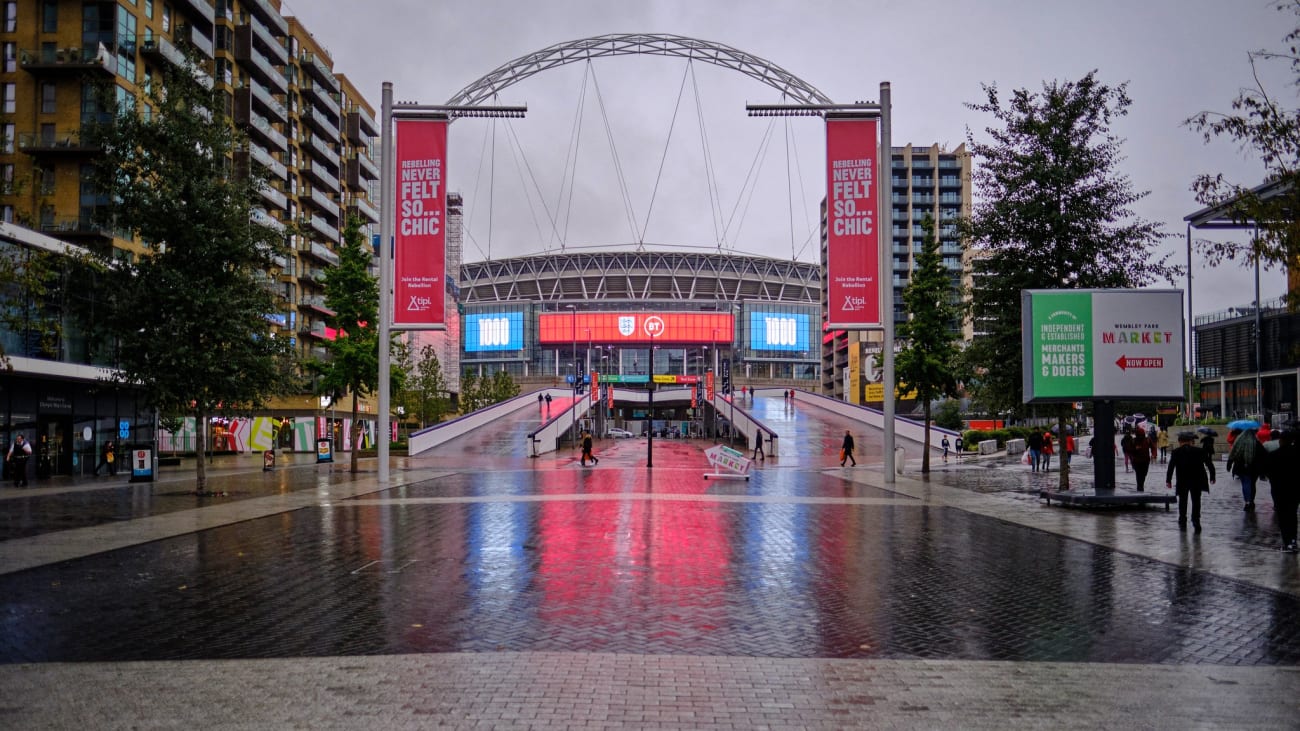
(573, 323)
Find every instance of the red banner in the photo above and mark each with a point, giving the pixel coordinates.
(611, 396)
(595, 387)
(611, 328)
(852, 230)
(708, 385)
(420, 258)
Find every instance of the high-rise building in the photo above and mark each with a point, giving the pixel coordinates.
(927, 181)
(307, 125)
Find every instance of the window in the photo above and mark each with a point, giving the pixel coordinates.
(45, 178)
(7, 143)
(167, 19)
(49, 17)
(11, 56)
(7, 178)
(11, 16)
(10, 93)
(148, 9)
(47, 134)
(7, 213)
(48, 97)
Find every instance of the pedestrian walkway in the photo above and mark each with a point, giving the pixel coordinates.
(486, 588)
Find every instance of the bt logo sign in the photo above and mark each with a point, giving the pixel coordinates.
(493, 331)
(782, 331)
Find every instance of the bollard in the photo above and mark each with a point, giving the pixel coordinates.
(899, 458)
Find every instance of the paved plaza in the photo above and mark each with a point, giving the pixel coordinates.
(483, 588)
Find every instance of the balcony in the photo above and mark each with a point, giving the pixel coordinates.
(250, 30)
(60, 143)
(191, 35)
(322, 202)
(161, 49)
(273, 166)
(200, 11)
(269, 15)
(949, 182)
(312, 275)
(259, 216)
(319, 94)
(322, 151)
(316, 302)
(256, 64)
(321, 252)
(317, 69)
(323, 228)
(363, 208)
(260, 129)
(278, 200)
(253, 95)
(360, 169)
(69, 60)
(322, 124)
(320, 175)
(361, 126)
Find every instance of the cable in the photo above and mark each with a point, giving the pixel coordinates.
(664, 158)
(758, 155)
(618, 165)
(710, 175)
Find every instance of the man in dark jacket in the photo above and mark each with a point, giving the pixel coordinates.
(1035, 443)
(1189, 463)
(1282, 466)
(846, 449)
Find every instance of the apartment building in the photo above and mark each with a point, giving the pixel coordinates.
(926, 181)
(307, 124)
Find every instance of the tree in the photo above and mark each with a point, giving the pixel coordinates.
(187, 321)
(1259, 123)
(352, 293)
(426, 391)
(503, 388)
(32, 285)
(1054, 213)
(928, 361)
(478, 392)
(948, 415)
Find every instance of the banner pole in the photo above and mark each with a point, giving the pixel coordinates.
(885, 241)
(385, 277)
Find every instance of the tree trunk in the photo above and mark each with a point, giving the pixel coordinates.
(1063, 458)
(925, 449)
(201, 471)
(356, 435)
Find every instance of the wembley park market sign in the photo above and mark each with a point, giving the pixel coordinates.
(1109, 344)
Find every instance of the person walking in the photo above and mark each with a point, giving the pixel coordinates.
(1189, 464)
(958, 446)
(1046, 462)
(1067, 448)
(1162, 443)
(846, 449)
(586, 450)
(548, 403)
(1126, 446)
(945, 445)
(1035, 443)
(1207, 444)
(758, 447)
(1244, 461)
(19, 452)
(108, 457)
(1141, 452)
(1282, 466)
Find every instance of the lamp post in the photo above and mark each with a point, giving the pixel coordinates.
(573, 325)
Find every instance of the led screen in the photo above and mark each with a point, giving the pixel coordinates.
(786, 331)
(486, 331)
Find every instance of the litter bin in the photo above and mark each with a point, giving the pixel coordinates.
(324, 450)
(899, 459)
(268, 460)
(141, 464)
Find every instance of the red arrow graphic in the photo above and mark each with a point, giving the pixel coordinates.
(1124, 362)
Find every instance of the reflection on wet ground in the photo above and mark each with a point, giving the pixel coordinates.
(638, 576)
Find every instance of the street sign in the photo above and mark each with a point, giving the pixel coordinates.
(723, 457)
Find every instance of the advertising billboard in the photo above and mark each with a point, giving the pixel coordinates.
(420, 236)
(1120, 344)
(613, 328)
(785, 331)
(489, 331)
(852, 233)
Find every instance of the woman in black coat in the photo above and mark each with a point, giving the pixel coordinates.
(1189, 463)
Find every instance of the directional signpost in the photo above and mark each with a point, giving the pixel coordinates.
(726, 458)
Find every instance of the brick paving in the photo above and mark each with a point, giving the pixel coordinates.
(484, 589)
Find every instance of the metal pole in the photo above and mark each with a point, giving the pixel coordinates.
(1259, 331)
(573, 324)
(385, 273)
(887, 285)
(1191, 330)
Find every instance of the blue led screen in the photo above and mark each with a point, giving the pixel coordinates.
(494, 331)
(785, 331)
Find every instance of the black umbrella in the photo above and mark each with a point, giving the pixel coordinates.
(1206, 430)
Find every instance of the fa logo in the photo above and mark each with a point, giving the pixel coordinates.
(626, 325)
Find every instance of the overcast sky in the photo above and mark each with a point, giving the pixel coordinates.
(529, 187)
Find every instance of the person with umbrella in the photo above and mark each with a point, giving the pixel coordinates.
(1207, 440)
(1244, 462)
(1282, 467)
(1189, 464)
(1141, 451)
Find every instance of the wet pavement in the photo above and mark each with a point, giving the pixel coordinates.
(477, 550)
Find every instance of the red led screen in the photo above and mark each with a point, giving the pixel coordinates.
(610, 328)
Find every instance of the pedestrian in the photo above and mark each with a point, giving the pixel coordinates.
(108, 457)
(19, 452)
(1265, 433)
(586, 450)
(958, 446)
(758, 447)
(1207, 444)
(548, 403)
(846, 449)
(1244, 461)
(1162, 443)
(1067, 449)
(1035, 444)
(1189, 465)
(1282, 466)
(944, 444)
(539, 399)
(1126, 446)
(1046, 463)
(1140, 455)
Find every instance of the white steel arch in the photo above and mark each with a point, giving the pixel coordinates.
(626, 44)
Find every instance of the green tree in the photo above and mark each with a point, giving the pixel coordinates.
(32, 288)
(352, 293)
(928, 361)
(1054, 213)
(1262, 124)
(503, 388)
(186, 321)
(948, 415)
(426, 393)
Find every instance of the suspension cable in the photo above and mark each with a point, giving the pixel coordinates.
(754, 167)
(618, 165)
(672, 124)
(571, 158)
(518, 152)
(710, 175)
(473, 205)
(492, 187)
(789, 188)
